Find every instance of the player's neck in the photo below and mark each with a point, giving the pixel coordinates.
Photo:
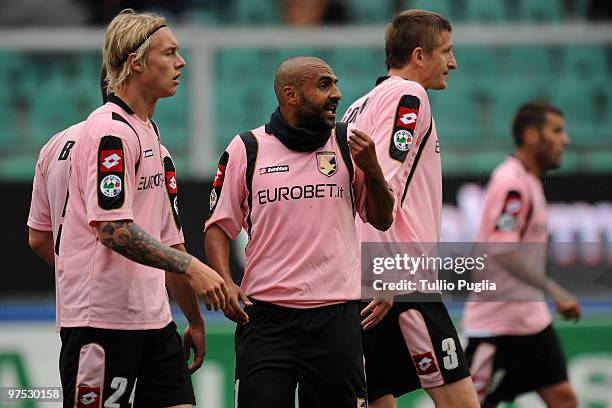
(139, 101)
(529, 162)
(407, 73)
(289, 116)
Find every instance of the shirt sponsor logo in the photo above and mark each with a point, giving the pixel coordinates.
(111, 161)
(402, 139)
(110, 186)
(407, 117)
(148, 153)
(88, 397)
(308, 191)
(148, 182)
(219, 176)
(274, 169)
(213, 199)
(327, 163)
(425, 363)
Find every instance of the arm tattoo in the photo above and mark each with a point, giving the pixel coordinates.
(131, 241)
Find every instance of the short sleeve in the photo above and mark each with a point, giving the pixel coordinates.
(229, 192)
(507, 211)
(172, 232)
(405, 122)
(108, 168)
(40, 208)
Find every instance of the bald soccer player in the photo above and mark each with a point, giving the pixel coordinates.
(295, 185)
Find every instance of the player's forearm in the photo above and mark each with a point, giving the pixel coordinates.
(514, 264)
(133, 242)
(216, 244)
(41, 243)
(379, 201)
(183, 294)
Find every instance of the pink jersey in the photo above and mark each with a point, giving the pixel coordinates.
(51, 180)
(118, 173)
(397, 116)
(514, 212)
(303, 250)
(49, 190)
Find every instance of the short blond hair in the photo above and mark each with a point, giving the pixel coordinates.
(129, 32)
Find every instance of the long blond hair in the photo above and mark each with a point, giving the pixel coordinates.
(129, 32)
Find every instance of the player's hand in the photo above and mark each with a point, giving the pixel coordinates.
(194, 339)
(376, 310)
(208, 284)
(363, 152)
(234, 311)
(569, 309)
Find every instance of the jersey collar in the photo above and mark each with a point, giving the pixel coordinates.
(118, 101)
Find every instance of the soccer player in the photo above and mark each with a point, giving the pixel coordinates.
(415, 345)
(295, 185)
(513, 347)
(116, 324)
(49, 194)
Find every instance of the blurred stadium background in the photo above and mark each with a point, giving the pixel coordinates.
(508, 51)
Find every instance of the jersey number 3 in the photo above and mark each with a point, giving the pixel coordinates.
(450, 361)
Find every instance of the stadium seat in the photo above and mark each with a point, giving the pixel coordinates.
(256, 12)
(241, 107)
(239, 64)
(368, 12)
(476, 61)
(201, 16)
(549, 11)
(442, 7)
(509, 95)
(172, 119)
(350, 63)
(528, 61)
(455, 113)
(586, 63)
(486, 11)
(275, 57)
(586, 121)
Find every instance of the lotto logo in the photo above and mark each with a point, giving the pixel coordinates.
(219, 176)
(88, 397)
(111, 160)
(406, 118)
(425, 363)
(171, 182)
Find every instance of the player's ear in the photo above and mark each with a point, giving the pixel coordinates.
(135, 65)
(290, 95)
(417, 56)
(531, 136)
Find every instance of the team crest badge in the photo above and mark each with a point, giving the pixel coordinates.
(402, 139)
(327, 163)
